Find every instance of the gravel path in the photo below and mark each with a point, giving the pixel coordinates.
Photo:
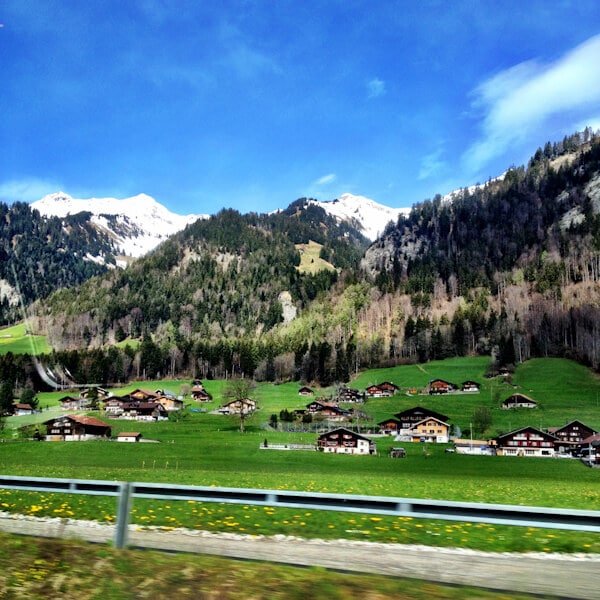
(557, 575)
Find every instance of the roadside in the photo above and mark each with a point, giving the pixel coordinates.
(555, 575)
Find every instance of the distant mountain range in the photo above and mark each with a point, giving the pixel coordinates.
(138, 224)
(135, 225)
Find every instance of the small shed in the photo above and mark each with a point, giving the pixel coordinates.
(127, 436)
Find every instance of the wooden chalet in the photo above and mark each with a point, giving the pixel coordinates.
(199, 394)
(144, 395)
(410, 417)
(20, 409)
(390, 426)
(570, 437)
(381, 390)
(590, 450)
(170, 402)
(440, 386)
(245, 406)
(305, 391)
(144, 411)
(72, 403)
(345, 441)
(114, 405)
(327, 410)
(527, 441)
(519, 401)
(348, 395)
(100, 392)
(469, 387)
(76, 428)
(388, 386)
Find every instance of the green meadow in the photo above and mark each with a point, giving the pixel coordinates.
(208, 449)
(17, 340)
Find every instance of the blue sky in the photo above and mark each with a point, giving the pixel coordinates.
(253, 104)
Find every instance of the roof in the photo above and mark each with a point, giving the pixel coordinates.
(343, 430)
(528, 428)
(516, 398)
(129, 434)
(84, 420)
(569, 424)
(429, 417)
(426, 412)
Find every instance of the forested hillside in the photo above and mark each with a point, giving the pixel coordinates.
(511, 265)
(509, 268)
(45, 254)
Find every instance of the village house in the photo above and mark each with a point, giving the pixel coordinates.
(348, 395)
(144, 395)
(440, 386)
(381, 390)
(199, 394)
(519, 401)
(345, 441)
(469, 387)
(100, 393)
(305, 391)
(410, 417)
(72, 403)
(429, 430)
(390, 426)
(245, 406)
(170, 402)
(527, 441)
(114, 405)
(388, 386)
(590, 450)
(76, 428)
(570, 437)
(144, 411)
(327, 410)
(21, 409)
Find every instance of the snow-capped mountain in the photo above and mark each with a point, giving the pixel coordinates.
(136, 225)
(368, 216)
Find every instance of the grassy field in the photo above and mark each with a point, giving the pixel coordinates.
(208, 449)
(310, 258)
(18, 341)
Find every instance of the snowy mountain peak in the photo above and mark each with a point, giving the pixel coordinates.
(368, 216)
(136, 225)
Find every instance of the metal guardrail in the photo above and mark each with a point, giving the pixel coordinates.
(500, 514)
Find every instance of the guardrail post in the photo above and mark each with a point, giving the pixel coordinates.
(123, 511)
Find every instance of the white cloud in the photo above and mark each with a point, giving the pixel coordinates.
(375, 88)
(326, 179)
(520, 101)
(431, 165)
(26, 190)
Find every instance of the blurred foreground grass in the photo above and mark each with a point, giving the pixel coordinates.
(39, 568)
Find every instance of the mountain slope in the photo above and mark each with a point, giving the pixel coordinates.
(135, 225)
(222, 277)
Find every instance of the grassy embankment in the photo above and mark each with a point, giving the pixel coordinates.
(39, 569)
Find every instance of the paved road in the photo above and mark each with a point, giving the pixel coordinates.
(555, 575)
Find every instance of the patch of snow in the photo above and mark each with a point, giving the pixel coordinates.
(138, 224)
(368, 216)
